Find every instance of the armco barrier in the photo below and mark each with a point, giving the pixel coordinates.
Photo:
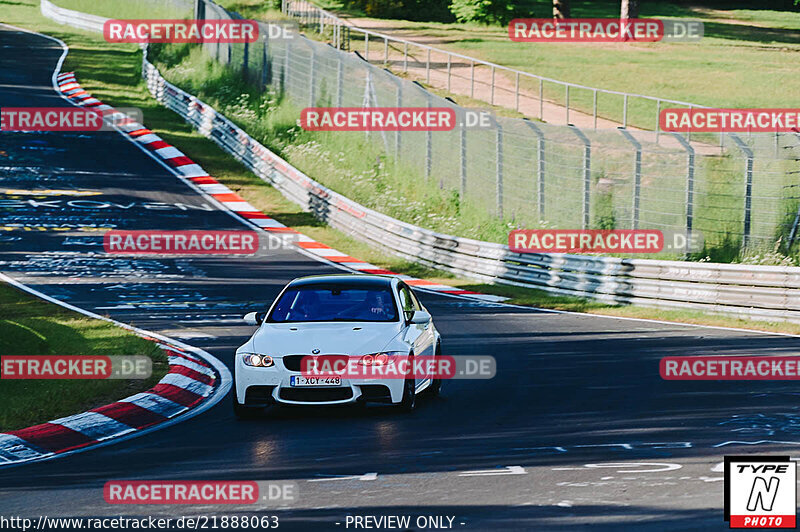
(756, 292)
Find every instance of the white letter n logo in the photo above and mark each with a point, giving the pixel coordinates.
(763, 493)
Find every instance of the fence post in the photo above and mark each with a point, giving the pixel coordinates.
(748, 187)
(594, 107)
(463, 160)
(689, 183)
(567, 104)
(366, 47)
(264, 64)
(312, 76)
(448, 72)
(637, 176)
(516, 93)
(405, 56)
(386, 50)
(285, 87)
(587, 176)
(428, 67)
(246, 59)
(492, 99)
(472, 79)
(540, 169)
(625, 110)
(541, 99)
(499, 170)
(339, 80)
(658, 119)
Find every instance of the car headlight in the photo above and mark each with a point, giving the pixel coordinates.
(377, 359)
(258, 361)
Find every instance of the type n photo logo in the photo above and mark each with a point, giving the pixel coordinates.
(760, 492)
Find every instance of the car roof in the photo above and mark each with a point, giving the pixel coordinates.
(349, 280)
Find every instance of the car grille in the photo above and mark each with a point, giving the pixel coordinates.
(293, 362)
(316, 395)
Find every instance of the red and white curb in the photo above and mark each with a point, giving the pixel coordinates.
(195, 382)
(189, 171)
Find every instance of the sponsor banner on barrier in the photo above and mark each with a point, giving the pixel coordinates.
(325, 369)
(75, 367)
(198, 492)
(602, 241)
(730, 120)
(181, 31)
(192, 242)
(27, 119)
(378, 119)
(604, 30)
(760, 492)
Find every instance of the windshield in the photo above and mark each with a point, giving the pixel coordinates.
(334, 303)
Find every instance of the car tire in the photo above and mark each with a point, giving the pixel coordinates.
(409, 400)
(239, 410)
(436, 384)
(244, 412)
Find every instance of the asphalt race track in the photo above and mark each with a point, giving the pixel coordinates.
(576, 430)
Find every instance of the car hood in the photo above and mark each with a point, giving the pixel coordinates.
(350, 338)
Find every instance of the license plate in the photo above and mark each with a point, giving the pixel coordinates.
(299, 380)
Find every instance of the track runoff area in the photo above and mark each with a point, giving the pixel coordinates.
(585, 421)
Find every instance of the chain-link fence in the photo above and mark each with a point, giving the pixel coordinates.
(742, 190)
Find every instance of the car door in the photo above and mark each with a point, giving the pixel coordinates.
(419, 334)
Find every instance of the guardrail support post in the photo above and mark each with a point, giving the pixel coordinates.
(689, 183)
(540, 168)
(499, 170)
(637, 177)
(587, 176)
(748, 187)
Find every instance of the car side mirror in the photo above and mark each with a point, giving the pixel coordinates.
(420, 317)
(254, 318)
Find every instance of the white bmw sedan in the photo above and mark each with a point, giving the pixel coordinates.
(372, 320)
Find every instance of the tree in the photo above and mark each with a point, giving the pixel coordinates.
(629, 9)
(560, 9)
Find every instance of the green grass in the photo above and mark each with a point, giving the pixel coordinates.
(132, 9)
(30, 326)
(112, 73)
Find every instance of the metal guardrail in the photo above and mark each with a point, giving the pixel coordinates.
(753, 292)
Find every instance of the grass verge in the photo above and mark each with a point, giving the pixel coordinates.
(112, 73)
(30, 326)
